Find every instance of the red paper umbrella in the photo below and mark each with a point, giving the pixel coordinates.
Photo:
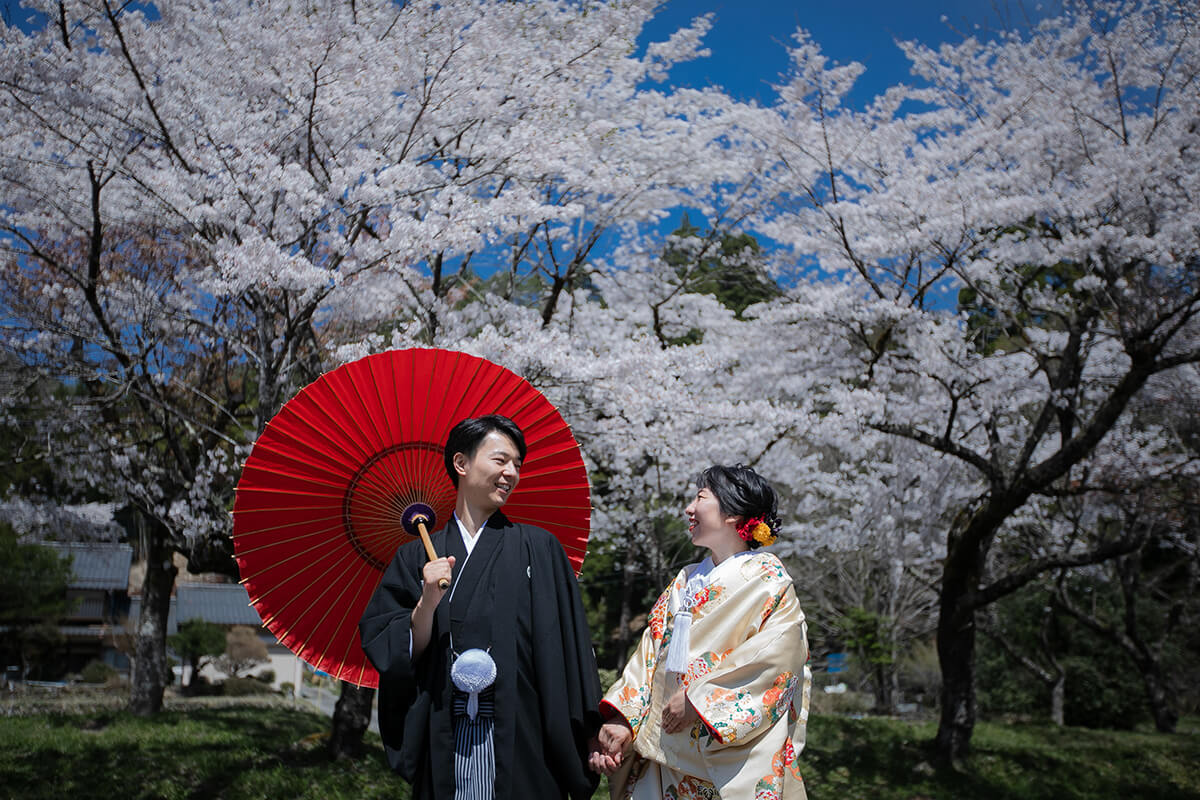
(321, 504)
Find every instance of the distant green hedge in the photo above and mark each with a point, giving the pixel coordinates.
(240, 687)
(97, 672)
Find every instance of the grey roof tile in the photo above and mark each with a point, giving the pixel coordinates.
(97, 565)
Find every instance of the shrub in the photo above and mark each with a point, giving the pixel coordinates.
(97, 672)
(267, 676)
(244, 649)
(1100, 698)
(844, 703)
(287, 688)
(239, 687)
(920, 673)
(1004, 687)
(200, 686)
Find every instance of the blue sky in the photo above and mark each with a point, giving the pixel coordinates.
(749, 40)
(749, 37)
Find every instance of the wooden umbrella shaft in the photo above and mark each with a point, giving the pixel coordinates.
(442, 583)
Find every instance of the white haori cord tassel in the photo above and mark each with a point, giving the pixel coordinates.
(677, 652)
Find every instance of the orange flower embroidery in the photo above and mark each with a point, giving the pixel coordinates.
(769, 608)
(778, 698)
(770, 787)
(702, 665)
(706, 595)
(658, 617)
(693, 789)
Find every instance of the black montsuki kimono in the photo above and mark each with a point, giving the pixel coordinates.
(518, 596)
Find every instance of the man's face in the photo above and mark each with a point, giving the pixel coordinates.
(487, 479)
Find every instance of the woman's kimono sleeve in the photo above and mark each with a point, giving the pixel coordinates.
(753, 685)
(630, 695)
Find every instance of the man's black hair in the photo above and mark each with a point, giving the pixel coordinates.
(466, 436)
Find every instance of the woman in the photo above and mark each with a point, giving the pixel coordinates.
(714, 701)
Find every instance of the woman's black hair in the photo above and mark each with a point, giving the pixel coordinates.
(740, 491)
(466, 436)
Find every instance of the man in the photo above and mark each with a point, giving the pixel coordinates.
(512, 594)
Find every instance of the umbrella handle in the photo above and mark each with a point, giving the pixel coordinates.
(442, 583)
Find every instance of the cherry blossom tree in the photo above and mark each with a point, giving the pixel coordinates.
(1148, 494)
(206, 210)
(200, 205)
(1046, 182)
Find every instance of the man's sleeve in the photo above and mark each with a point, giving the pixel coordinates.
(569, 685)
(385, 627)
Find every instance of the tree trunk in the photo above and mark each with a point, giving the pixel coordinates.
(1057, 675)
(885, 701)
(351, 717)
(624, 635)
(958, 603)
(961, 576)
(894, 681)
(1057, 697)
(1165, 715)
(1157, 695)
(149, 672)
(193, 668)
(956, 656)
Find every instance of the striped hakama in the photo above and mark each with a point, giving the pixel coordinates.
(474, 748)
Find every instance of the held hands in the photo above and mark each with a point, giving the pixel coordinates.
(610, 746)
(678, 714)
(615, 739)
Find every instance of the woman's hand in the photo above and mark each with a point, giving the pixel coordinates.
(610, 746)
(678, 714)
(600, 761)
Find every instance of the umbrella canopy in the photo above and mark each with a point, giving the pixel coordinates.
(321, 501)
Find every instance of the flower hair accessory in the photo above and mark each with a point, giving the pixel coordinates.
(756, 529)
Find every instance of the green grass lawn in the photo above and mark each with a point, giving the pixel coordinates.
(276, 752)
(240, 752)
(886, 759)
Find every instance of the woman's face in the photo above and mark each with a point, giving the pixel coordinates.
(707, 524)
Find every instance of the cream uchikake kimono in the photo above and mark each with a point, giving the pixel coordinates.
(747, 677)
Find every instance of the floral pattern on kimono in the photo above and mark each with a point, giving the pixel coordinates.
(691, 789)
(649, 780)
(770, 787)
(778, 699)
(709, 594)
(747, 678)
(635, 699)
(771, 569)
(769, 608)
(658, 615)
(731, 713)
(702, 665)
